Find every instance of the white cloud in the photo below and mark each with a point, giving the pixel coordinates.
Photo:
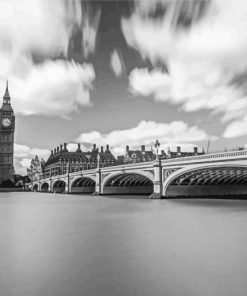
(23, 155)
(42, 153)
(202, 60)
(21, 165)
(145, 133)
(116, 151)
(73, 147)
(156, 83)
(23, 151)
(42, 28)
(236, 128)
(219, 34)
(117, 63)
(52, 88)
(26, 162)
(193, 94)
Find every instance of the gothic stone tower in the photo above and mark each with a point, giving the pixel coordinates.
(7, 129)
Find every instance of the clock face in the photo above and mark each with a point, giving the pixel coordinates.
(6, 122)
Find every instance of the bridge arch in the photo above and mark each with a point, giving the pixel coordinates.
(58, 186)
(83, 184)
(207, 180)
(44, 187)
(128, 183)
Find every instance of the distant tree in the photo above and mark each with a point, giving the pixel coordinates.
(19, 180)
(26, 179)
(7, 184)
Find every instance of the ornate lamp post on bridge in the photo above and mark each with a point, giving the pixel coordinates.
(157, 145)
(67, 185)
(98, 177)
(98, 160)
(157, 194)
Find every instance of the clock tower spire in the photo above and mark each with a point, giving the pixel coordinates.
(7, 129)
(6, 98)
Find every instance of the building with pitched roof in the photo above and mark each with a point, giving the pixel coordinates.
(142, 155)
(133, 156)
(62, 161)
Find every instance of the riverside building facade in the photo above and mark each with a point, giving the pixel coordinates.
(62, 161)
(143, 155)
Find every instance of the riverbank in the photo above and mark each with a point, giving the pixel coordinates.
(11, 189)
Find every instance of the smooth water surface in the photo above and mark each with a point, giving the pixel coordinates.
(72, 245)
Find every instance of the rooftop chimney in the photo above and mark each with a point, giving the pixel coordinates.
(61, 147)
(127, 148)
(107, 147)
(102, 149)
(195, 150)
(79, 147)
(51, 152)
(57, 149)
(94, 146)
(178, 149)
(168, 152)
(143, 148)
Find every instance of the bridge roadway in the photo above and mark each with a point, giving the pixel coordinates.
(222, 173)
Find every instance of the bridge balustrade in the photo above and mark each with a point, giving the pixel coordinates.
(237, 154)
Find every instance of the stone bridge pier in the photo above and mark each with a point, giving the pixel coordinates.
(158, 185)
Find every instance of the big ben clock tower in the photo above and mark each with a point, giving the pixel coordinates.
(7, 129)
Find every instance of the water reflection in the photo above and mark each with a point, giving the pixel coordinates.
(224, 204)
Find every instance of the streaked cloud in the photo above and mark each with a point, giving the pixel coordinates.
(204, 50)
(89, 26)
(42, 28)
(37, 26)
(192, 94)
(117, 63)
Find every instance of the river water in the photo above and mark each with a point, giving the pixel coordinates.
(82, 245)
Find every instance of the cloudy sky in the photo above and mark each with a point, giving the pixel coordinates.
(124, 72)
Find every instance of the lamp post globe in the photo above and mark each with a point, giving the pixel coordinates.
(157, 145)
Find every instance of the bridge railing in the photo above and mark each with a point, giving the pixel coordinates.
(214, 156)
(206, 157)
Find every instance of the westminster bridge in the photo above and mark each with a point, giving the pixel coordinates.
(215, 174)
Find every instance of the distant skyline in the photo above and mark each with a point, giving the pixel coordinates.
(124, 73)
